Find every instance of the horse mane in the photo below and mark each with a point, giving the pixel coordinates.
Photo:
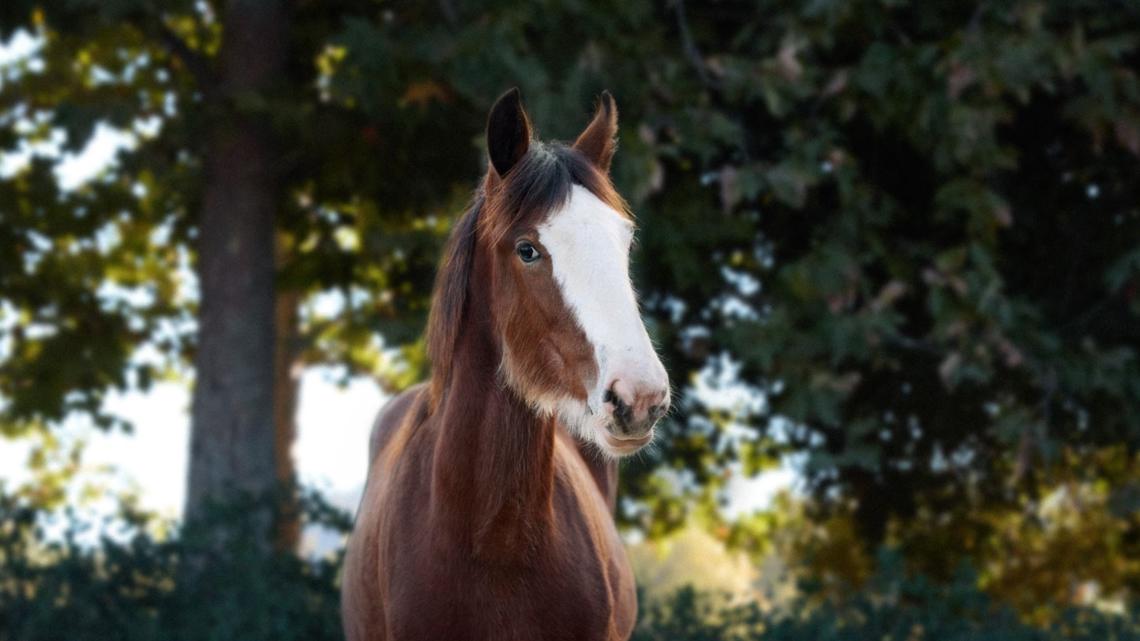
(449, 297)
(540, 181)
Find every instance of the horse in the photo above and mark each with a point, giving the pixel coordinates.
(488, 507)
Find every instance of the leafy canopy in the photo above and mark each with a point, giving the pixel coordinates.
(909, 229)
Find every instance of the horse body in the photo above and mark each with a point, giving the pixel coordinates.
(487, 513)
(561, 575)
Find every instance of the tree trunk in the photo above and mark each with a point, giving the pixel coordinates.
(287, 529)
(233, 437)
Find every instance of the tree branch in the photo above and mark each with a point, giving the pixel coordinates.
(1033, 433)
(197, 64)
(912, 344)
(689, 47)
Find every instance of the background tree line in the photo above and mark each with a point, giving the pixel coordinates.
(909, 231)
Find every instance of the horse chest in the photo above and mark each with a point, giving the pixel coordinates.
(575, 585)
(504, 604)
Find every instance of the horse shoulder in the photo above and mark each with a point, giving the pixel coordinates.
(361, 604)
(391, 416)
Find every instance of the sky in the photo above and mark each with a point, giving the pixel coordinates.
(333, 420)
(331, 448)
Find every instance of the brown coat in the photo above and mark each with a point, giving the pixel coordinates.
(481, 519)
(549, 566)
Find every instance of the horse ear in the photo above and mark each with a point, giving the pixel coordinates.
(508, 132)
(598, 141)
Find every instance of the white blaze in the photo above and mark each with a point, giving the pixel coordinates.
(588, 243)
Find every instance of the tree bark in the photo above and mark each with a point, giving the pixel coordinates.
(287, 528)
(233, 437)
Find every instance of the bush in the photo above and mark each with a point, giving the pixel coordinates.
(133, 586)
(892, 606)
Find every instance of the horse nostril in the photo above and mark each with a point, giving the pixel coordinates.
(657, 411)
(623, 412)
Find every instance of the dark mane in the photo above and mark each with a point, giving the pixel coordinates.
(540, 182)
(449, 296)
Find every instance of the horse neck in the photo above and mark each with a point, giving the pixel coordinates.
(493, 470)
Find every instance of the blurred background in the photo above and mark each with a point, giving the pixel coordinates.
(889, 250)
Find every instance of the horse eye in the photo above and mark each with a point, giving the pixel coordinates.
(527, 253)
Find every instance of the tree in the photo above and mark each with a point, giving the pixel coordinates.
(220, 101)
(908, 229)
(232, 441)
(936, 292)
(933, 281)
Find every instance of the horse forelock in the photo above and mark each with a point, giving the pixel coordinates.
(540, 184)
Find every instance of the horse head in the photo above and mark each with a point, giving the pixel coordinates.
(550, 237)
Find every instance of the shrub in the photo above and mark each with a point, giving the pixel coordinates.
(892, 606)
(131, 585)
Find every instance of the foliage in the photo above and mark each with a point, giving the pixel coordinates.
(892, 606)
(126, 583)
(908, 228)
(935, 207)
(129, 584)
(1068, 549)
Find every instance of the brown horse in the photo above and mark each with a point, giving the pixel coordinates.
(488, 508)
